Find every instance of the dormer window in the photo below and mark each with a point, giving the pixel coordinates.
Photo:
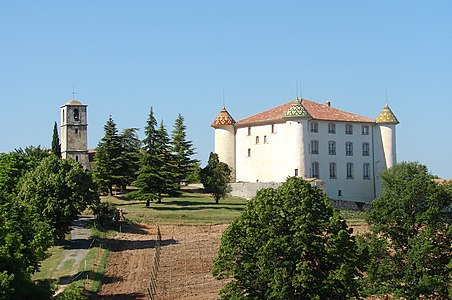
(76, 115)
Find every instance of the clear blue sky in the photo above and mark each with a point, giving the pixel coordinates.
(178, 56)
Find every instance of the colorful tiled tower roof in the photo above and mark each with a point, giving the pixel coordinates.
(223, 118)
(297, 110)
(386, 116)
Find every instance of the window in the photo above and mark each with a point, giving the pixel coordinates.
(257, 140)
(314, 147)
(314, 127)
(315, 170)
(348, 129)
(265, 139)
(296, 172)
(339, 193)
(366, 171)
(249, 152)
(76, 158)
(273, 128)
(349, 171)
(76, 115)
(332, 128)
(332, 148)
(365, 130)
(76, 130)
(333, 173)
(349, 148)
(365, 149)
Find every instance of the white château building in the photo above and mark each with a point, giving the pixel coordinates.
(344, 151)
(74, 132)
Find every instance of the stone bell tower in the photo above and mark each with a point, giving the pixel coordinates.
(74, 132)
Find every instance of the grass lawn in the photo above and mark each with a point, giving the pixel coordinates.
(190, 208)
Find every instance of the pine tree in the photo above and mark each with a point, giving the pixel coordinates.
(130, 156)
(166, 168)
(56, 146)
(148, 177)
(182, 150)
(108, 163)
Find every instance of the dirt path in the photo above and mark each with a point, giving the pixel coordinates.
(185, 263)
(76, 251)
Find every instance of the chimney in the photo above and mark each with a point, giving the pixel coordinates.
(328, 103)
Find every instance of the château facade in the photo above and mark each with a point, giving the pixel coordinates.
(344, 151)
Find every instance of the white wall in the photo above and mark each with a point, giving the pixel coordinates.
(274, 161)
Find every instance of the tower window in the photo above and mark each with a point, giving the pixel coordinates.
(265, 139)
(257, 139)
(249, 152)
(76, 158)
(76, 130)
(296, 172)
(76, 115)
(249, 130)
(339, 193)
(273, 128)
(348, 129)
(314, 127)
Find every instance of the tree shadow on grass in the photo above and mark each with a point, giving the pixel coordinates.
(196, 208)
(201, 204)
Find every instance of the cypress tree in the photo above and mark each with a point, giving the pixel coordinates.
(56, 146)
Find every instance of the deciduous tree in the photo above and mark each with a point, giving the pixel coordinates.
(288, 244)
(410, 241)
(216, 177)
(59, 190)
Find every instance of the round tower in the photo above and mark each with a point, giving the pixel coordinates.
(386, 123)
(74, 132)
(297, 118)
(225, 138)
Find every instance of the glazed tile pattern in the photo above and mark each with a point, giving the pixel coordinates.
(387, 116)
(297, 111)
(223, 118)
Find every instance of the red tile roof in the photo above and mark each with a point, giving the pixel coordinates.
(223, 118)
(316, 110)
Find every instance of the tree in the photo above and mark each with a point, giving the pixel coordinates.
(182, 150)
(56, 146)
(409, 243)
(24, 240)
(148, 177)
(288, 244)
(59, 190)
(130, 155)
(215, 177)
(108, 163)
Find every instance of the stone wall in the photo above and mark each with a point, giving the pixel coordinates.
(248, 190)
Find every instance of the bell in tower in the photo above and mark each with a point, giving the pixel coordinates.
(74, 132)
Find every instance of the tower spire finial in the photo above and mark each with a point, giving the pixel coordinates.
(73, 91)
